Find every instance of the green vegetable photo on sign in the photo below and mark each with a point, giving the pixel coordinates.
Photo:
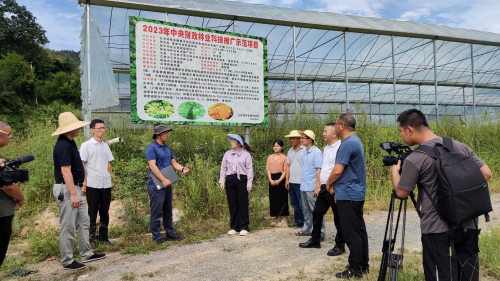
(191, 110)
(159, 109)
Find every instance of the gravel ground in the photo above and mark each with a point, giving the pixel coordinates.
(271, 254)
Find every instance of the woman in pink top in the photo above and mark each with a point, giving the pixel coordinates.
(236, 176)
(278, 194)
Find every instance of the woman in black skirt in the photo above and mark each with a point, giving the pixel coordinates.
(278, 194)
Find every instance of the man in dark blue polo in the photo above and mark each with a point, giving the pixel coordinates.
(160, 156)
(69, 175)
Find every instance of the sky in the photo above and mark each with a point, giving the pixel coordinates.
(62, 18)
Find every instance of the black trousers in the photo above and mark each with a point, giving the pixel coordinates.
(5, 233)
(237, 199)
(462, 265)
(324, 201)
(354, 231)
(98, 200)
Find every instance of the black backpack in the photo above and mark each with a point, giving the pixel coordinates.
(462, 192)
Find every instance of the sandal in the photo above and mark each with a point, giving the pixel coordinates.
(283, 224)
(301, 234)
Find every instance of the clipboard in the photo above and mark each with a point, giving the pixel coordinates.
(169, 173)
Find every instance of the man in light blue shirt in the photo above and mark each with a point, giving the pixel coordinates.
(311, 168)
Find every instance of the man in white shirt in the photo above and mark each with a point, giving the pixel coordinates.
(325, 199)
(96, 157)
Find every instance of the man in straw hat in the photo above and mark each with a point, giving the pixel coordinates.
(311, 167)
(69, 175)
(160, 156)
(293, 176)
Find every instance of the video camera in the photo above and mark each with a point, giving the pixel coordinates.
(401, 150)
(14, 174)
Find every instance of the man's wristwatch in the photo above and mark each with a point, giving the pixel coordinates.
(183, 169)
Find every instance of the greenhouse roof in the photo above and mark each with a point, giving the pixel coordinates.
(266, 14)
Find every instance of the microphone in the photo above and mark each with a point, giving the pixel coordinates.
(21, 160)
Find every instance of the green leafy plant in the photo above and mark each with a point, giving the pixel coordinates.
(191, 110)
(159, 109)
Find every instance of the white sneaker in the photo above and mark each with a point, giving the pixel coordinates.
(244, 233)
(232, 232)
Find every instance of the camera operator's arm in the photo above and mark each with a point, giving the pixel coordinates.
(14, 192)
(2, 161)
(395, 180)
(337, 171)
(70, 184)
(486, 172)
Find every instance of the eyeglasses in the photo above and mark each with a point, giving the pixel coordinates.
(306, 138)
(4, 132)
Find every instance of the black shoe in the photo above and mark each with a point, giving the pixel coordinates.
(174, 237)
(74, 266)
(160, 241)
(348, 274)
(336, 251)
(95, 257)
(107, 242)
(322, 238)
(366, 270)
(310, 244)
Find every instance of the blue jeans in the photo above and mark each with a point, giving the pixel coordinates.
(296, 203)
(161, 207)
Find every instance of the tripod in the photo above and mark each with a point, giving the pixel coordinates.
(393, 262)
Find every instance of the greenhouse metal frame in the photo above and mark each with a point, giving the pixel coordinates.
(321, 60)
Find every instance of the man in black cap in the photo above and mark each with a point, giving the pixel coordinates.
(160, 156)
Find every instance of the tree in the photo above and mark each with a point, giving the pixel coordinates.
(17, 84)
(20, 33)
(63, 87)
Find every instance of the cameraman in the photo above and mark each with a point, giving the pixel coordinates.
(420, 169)
(11, 198)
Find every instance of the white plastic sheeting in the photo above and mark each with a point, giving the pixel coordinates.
(104, 92)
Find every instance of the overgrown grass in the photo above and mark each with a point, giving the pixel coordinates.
(489, 245)
(198, 195)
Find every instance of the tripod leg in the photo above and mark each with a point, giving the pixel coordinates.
(386, 245)
(391, 242)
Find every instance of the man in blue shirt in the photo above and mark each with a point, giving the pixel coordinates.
(309, 187)
(159, 156)
(348, 181)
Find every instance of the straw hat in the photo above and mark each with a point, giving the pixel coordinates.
(68, 122)
(308, 133)
(293, 134)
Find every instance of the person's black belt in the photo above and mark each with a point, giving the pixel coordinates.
(323, 185)
(80, 184)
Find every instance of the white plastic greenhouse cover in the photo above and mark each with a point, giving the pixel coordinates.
(309, 19)
(104, 92)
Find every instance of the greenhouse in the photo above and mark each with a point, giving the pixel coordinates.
(319, 61)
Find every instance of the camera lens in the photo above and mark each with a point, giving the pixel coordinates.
(389, 160)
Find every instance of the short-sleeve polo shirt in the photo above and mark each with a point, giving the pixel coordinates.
(351, 185)
(161, 153)
(66, 154)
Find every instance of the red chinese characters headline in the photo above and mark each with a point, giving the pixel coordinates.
(193, 35)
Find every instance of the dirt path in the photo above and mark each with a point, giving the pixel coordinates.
(271, 254)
